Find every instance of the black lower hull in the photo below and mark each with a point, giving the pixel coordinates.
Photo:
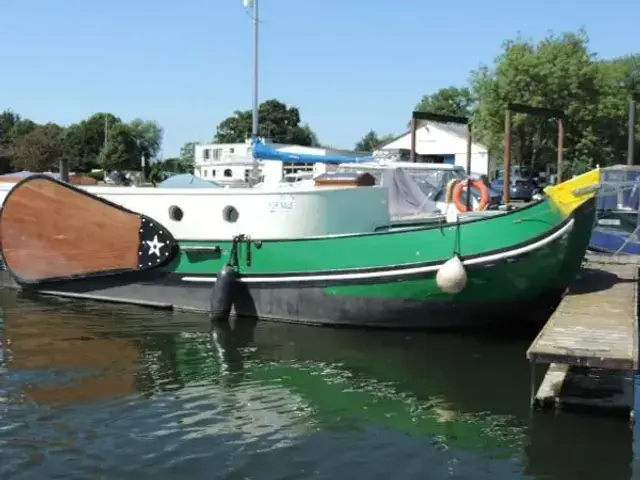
(302, 305)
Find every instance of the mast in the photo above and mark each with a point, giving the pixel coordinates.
(253, 4)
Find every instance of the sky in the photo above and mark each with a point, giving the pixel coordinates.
(348, 65)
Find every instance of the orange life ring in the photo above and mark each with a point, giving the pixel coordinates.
(485, 198)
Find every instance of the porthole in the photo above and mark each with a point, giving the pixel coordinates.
(230, 214)
(175, 213)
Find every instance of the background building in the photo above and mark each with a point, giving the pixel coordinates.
(441, 143)
(231, 163)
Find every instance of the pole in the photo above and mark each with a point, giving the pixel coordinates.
(254, 123)
(507, 157)
(469, 140)
(559, 168)
(106, 130)
(64, 170)
(412, 152)
(631, 136)
(143, 176)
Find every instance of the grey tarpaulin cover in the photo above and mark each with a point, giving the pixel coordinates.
(405, 196)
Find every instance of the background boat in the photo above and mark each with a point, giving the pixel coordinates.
(618, 211)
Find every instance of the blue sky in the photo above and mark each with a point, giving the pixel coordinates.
(349, 65)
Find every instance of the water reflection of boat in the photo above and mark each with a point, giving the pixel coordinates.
(290, 382)
(416, 384)
(41, 342)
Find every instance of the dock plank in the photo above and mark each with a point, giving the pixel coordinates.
(595, 325)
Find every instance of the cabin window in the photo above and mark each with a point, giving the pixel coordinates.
(230, 214)
(231, 150)
(228, 173)
(206, 153)
(204, 172)
(213, 173)
(216, 153)
(175, 213)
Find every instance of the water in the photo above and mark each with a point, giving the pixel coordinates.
(103, 391)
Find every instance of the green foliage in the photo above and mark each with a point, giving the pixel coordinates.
(121, 151)
(156, 173)
(558, 72)
(177, 165)
(100, 141)
(448, 101)
(371, 141)
(84, 141)
(277, 121)
(148, 136)
(96, 175)
(12, 127)
(38, 150)
(187, 158)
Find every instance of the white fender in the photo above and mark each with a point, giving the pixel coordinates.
(452, 277)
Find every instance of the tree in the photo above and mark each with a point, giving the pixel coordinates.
(278, 122)
(156, 172)
(371, 141)
(185, 162)
(121, 151)
(448, 101)
(313, 138)
(148, 136)
(39, 150)
(558, 72)
(177, 165)
(84, 141)
(619, 80)
(81, 144)
(12, 126)
(188, 156)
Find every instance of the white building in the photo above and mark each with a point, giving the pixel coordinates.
(441, 143)
(232, 163)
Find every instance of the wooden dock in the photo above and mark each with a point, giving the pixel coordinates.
(591, 340)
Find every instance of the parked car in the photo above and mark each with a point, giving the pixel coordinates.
(521, 189)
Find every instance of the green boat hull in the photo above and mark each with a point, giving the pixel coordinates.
(518, 265)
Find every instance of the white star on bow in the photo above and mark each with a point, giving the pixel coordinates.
(154, 246)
